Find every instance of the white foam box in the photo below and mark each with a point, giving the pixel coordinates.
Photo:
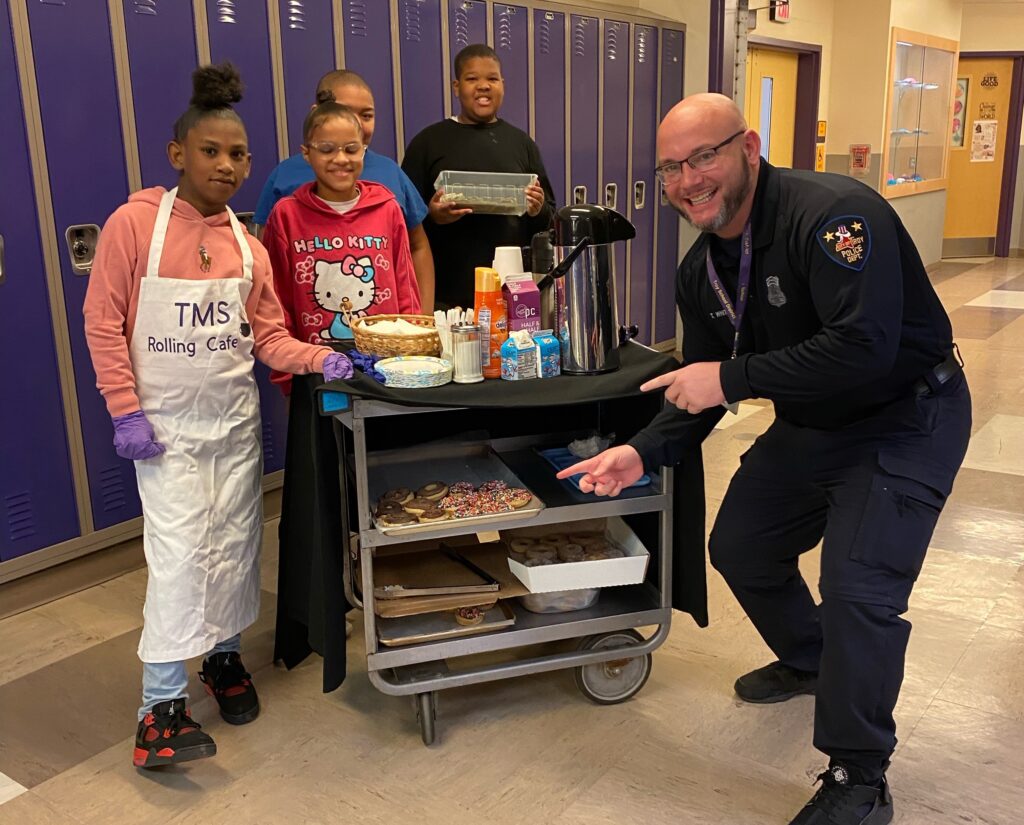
(578, 575)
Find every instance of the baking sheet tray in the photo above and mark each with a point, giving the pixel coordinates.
(475, 463)
(432, 627)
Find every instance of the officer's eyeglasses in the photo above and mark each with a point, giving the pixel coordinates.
(328, 148)
(699, 161)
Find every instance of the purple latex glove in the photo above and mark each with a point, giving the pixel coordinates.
(134, 437)
(337, 365)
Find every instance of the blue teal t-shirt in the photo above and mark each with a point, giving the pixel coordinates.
(292, 172)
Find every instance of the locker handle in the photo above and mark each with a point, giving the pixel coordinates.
(81, 241)
(639, 194)
(611, 195)
(579, 195)
(3, 262)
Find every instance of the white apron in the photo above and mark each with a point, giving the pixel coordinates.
(202, 502)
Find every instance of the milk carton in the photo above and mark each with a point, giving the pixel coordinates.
(549, 354)
(522, 303)
(519, 357)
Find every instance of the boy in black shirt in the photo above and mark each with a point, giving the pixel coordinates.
(475, 140)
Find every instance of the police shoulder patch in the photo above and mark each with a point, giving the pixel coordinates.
(846, 240)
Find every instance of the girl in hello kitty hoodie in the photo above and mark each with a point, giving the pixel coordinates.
(338, 246)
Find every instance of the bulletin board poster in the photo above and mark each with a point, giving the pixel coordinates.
(860, 159)
(819, 157)
(960, 111)
(983, 141)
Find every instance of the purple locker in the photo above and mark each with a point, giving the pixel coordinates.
(419, 30)
(467, 23)
(549, 95)
(615, 151)
(86, 160)
(307, 48)
(672, 49)
(643, 194)
(583, 69)
(367, 34)
(161, 38)
(511, 42)
(36, 492)
(240, 32)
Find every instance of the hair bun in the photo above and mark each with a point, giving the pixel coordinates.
(325, 96)
(216, 87)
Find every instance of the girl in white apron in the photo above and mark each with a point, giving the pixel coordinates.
(180, 301)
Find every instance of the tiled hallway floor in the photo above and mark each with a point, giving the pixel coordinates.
(685, 750)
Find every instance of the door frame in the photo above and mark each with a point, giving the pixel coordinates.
(1004, 224)
(808, 89)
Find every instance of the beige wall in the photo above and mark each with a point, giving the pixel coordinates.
(989, 27)
(938, 17)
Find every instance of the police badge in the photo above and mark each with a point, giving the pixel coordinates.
(846, 240)
(776, 297)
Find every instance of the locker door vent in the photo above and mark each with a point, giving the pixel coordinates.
(544, 33)
(462, 26)
(226, 12)
(145, 7)
(671, 46)
(355, 16)
(296, 15)
(413, 15)
(268, 441)
(579, 37)
(503, 36)
(612, 40)
(643, 36)
(112, 489)
(20, 522)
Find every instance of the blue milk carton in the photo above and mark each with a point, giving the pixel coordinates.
(549, 353)
(519, 357)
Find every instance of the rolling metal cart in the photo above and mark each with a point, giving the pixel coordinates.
(611, 660)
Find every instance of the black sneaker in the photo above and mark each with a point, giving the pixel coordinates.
(167, 735)
(775, 683)
(839, 802)
(228, 682)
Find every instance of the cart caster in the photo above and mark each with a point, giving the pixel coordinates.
(608, 683)
(426, 714)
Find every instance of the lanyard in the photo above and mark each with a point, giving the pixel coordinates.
(735, 313)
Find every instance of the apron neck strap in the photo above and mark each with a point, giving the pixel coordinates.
(163, 218)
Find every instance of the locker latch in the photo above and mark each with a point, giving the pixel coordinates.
(82, 240)
(664, 195)
(639, 194)
(611, 195)
(579, 195)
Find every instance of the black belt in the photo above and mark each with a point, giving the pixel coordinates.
(939, 375)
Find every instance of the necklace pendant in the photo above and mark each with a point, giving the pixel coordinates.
(205, 261)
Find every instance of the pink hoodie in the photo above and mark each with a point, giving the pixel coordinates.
(120, 265)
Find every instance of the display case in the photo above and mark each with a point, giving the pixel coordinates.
(919, 113)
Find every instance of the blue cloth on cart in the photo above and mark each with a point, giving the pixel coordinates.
(560, 458)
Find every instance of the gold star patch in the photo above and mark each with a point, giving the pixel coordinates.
(857, 227)
(830, 236)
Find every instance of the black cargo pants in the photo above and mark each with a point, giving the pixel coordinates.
(873, 491)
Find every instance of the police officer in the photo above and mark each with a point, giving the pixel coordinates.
(806, 289)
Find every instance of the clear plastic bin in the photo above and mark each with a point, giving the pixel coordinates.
(560, 601)
(486, 193)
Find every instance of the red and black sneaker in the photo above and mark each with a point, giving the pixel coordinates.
(228, 682)
(168, 735)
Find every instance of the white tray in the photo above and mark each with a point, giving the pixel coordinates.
(473, 463)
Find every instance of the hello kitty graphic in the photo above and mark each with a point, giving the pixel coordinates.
(345, 288)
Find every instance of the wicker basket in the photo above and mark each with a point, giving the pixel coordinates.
(372, 343)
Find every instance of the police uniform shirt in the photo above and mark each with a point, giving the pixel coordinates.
(841, 319)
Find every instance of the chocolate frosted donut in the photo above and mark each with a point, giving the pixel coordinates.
(417, 506)
(434, 490)
(401, 495)
(397, 519)
(433, 514)
(389, 506)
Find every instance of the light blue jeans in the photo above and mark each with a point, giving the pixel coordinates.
(162, 681)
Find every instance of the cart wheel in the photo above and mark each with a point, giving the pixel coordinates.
(608, 683)
(426, 714)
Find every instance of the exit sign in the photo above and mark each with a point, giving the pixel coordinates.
(779, 11)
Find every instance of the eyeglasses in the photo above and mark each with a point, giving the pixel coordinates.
(700, 161)
(329, 148)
